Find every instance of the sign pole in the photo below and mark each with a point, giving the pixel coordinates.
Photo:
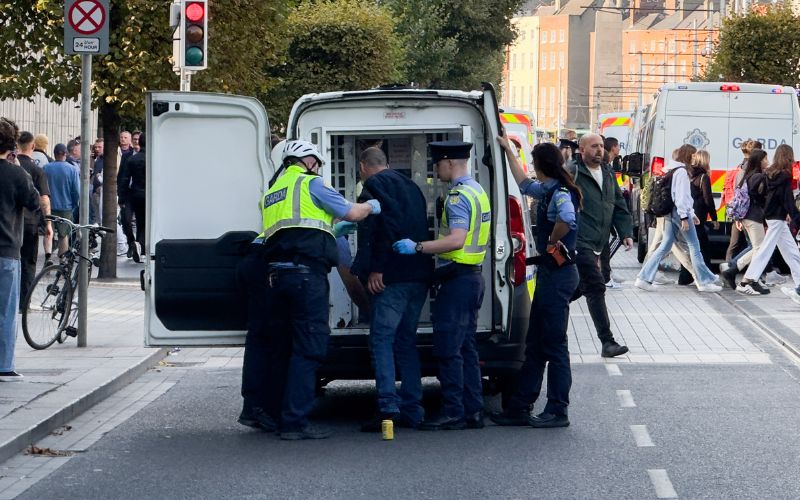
(86, 133)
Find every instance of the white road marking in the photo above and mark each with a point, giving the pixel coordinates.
(661, 483)
(613, 370)
(641, 436)
(625, 399)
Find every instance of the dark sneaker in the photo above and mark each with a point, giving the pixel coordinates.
(548, 420)
(375, 424)
(135, 253)
(474, 421)
(611, 349)
(729, 277)
(258, 419)
(407, 422)
(11, 376)
(510, 417)
(130, 251)
(443, 424)
(752, 288)
(307, 432)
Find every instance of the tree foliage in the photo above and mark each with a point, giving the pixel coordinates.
(762, 46)
(455, 43)
(334, 45)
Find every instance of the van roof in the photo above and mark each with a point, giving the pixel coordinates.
(758, 88)
(383, 92)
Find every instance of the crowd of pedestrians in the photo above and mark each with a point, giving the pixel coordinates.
(25, 161)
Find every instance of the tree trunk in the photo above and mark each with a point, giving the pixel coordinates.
(110, 119)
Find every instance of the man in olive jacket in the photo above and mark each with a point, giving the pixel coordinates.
(603, 207)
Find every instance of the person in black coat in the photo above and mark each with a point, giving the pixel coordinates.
(132, 191)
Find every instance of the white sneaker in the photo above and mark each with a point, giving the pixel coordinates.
(791, 293)
(772, 278)
(11, 376)
(662, 279)
(613, 285)
(644, 285)
(709, 287)
(724, 267)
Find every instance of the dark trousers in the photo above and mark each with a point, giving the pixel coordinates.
(287, 339)
(593, 287)
(29, 252)
(546, 342)
(455, 320)
(126, 219)
(139, 212)
(605, 262)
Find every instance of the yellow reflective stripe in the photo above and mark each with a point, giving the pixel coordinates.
(472, 196)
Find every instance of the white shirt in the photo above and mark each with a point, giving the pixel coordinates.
(597, 174)
(681, 192)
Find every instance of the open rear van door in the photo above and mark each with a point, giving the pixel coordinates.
(207, 167)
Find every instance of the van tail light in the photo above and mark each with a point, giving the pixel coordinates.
(730, 88)
(517, 226)
(657, 166)
(795, 175)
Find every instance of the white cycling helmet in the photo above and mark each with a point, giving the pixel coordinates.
(301, 149)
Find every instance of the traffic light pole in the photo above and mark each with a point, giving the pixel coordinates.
(186, 80)
(83, 269)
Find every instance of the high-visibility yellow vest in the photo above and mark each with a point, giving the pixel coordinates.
(474, 248)
(288, 204)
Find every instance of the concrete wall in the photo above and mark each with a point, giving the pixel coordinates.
(577, 96)
(606, 64)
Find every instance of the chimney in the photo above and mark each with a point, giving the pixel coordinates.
(558, 6)
(682, 9)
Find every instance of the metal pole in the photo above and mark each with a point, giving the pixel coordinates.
(558, 113)
(641, 80)
(694, 52)
(83, 269)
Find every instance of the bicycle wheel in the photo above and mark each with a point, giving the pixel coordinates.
(47, 307)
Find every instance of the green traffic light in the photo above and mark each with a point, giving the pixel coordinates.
(194, 56)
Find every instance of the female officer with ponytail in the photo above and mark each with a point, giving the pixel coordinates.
(556, 281)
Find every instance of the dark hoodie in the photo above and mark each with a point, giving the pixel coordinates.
(780, 201)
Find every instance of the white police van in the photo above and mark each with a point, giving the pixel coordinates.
(209, 164)
(716, 117)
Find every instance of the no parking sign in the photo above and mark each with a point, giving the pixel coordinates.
(86, 26)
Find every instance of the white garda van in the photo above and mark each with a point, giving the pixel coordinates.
(716, 117)
(618, 126)
(209, 164)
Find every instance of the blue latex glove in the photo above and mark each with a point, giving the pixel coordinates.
(405, 247)
(376, 206)
(344, 227)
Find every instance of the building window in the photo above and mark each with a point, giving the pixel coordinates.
(522, 61)
(532, 97)
(561, 60)
(552, 101)
(633, 46)
(533, 62)
(652, 45)
(522, 36)
(552, 36)
(533, 35)
(683, 68)
(552, 60)
(514, 61)
(661, 46)
(544, 37)
(513, 96)
(672, 45)
(544, 60)
(560, 35)
(632, 104)
(683, 47)
(542, 108)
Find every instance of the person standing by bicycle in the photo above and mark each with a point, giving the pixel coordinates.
(65, 192)
(16, 193)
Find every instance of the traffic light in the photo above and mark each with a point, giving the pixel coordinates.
(194, 34)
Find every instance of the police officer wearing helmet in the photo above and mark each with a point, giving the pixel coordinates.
(285, 275)
(463, 237)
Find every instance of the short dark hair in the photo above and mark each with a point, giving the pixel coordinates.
(610, 142)
(71, 144)
(25, 138)
(373, 157)
(136, 132)
(9, 133)
(142, 140)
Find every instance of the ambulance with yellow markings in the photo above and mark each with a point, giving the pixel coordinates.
(716, 117)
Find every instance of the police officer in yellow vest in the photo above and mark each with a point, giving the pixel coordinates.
(463, 238)
(286, 280)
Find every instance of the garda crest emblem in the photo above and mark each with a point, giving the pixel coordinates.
(697, 138)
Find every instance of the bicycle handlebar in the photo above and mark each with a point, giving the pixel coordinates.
(90, 227)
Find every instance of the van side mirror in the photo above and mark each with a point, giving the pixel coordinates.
(632, 164)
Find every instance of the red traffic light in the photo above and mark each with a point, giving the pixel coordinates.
(195, 12)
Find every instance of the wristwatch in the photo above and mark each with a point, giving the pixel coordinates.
(418, 247)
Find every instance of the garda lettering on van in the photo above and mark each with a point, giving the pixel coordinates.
(768, 143)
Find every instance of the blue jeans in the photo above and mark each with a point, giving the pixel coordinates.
(672, 227)
(9, 304)
(393, 339)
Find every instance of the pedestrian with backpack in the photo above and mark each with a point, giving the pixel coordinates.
(671, 198)
(778, 207)
(704, 207)
(747, 210)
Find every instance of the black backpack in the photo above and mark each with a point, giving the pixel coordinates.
(661, 202)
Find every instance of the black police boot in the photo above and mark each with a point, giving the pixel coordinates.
(307, 432)
(474, 421)
(611, 349)
(258, 419)
(375, 423)
(510, 417)
(443, 424)
(548, 420)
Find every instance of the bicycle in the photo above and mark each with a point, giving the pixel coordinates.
(50, 309)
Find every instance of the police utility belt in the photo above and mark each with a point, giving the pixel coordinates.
(453, 270)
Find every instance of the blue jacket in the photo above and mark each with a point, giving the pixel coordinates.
(65, 185)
